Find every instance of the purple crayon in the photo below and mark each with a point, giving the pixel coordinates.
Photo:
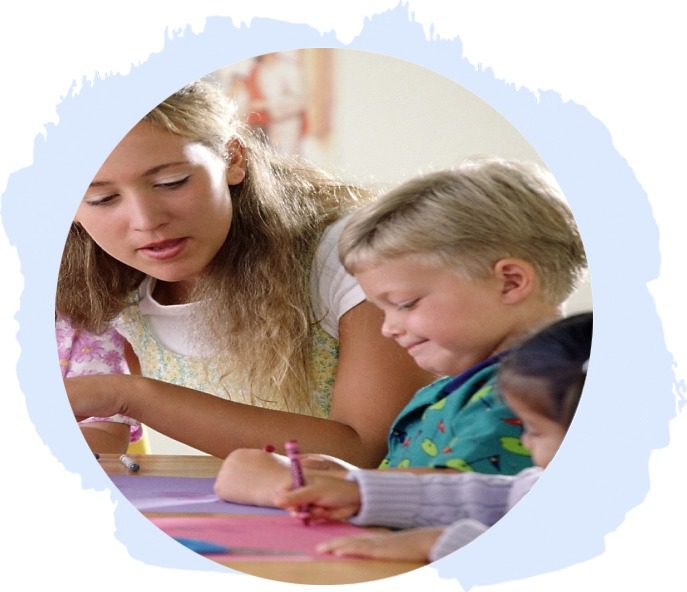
(292, 451)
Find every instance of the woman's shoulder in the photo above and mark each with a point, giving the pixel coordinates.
(330, 236)
(333, 290)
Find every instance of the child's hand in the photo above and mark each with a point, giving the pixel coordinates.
(251, 476)
(329, 498)
(325, 462)
(104, 436)
(408, 545)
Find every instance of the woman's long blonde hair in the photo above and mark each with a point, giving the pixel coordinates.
(256, 292)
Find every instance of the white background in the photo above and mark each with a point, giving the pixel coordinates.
(624, 62)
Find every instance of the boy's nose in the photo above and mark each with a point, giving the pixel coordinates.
(391, 327)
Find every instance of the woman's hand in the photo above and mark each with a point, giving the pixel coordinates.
(101, 395)
(408, 545)
(328, 497)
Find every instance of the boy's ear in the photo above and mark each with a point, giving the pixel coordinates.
(236, 167)
(517, 278)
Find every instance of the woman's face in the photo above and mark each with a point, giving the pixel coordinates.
(160, 204)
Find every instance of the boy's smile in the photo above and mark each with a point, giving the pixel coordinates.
(446, 322)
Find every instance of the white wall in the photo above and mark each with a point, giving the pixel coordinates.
(393, 120)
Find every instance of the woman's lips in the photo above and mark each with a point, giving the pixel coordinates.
(167, 249)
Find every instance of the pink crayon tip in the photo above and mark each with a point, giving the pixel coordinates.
(291, 447)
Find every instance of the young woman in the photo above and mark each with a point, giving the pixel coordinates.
(216, 260)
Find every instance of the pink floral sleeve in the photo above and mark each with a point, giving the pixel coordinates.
(82, 353)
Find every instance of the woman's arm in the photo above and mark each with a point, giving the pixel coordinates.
(375, 379)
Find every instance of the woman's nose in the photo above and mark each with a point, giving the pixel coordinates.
(146, 212)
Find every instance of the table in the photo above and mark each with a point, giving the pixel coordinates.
(320, 571)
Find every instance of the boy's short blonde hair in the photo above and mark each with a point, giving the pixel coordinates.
(470, 218)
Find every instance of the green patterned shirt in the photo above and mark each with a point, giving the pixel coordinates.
(459, 422)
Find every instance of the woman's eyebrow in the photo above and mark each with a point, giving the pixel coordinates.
(151, 171)
(158, 168)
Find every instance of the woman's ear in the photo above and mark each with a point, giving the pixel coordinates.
(517, 277)
(236, 167)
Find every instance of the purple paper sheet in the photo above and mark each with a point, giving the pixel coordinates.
(180, 494)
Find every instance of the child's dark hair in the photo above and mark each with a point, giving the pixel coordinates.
(548, 370)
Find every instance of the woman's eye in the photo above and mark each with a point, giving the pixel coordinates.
(100, 201)
(173, 184)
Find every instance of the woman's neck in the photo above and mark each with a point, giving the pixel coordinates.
(170, 293)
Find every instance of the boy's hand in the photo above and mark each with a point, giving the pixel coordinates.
(251, 476)
(325, 462)
(409, 545)
(329, 498)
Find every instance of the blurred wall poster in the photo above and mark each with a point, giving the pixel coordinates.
(286, 95)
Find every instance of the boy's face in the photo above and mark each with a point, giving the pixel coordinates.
(542, 435)
(446, 322)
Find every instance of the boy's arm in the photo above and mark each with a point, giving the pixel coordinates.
(455, 536)
(402, 499)
(251, 476)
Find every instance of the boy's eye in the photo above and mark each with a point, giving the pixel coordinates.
(408, 305)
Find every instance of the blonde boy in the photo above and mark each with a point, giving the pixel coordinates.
(464, 264)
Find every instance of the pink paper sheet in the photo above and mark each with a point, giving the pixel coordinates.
(274, 533)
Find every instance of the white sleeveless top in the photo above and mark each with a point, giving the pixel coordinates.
(165, 342)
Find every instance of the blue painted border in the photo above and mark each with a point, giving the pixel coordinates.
(602, 469)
